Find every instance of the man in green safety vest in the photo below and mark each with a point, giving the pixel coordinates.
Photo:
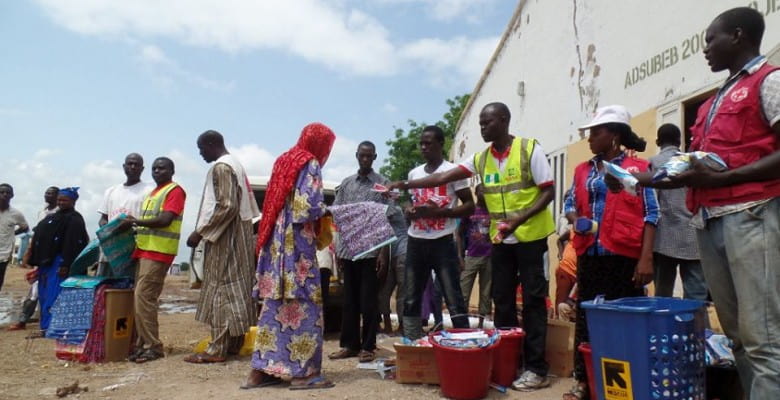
(157, 242)
(518, 187)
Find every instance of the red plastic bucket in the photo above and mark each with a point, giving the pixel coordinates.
(587, 356)
(464, 374)
(506, 357)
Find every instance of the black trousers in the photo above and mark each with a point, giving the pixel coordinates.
(608, 275)
(3, 266)
(361, 286)
(522, 263)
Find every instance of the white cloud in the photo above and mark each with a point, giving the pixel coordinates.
(390, 108)
(334, 34)
(45, 153)
(257, 161)
(451, 62)
(356, 42)
(165, 71)
(446, 10)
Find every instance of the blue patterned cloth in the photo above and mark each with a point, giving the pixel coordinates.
(72, 315)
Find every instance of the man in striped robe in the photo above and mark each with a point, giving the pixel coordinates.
(225, 224)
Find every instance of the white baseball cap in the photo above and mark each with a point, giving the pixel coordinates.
(605, 115)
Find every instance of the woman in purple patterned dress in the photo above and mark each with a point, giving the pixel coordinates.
(288, 345)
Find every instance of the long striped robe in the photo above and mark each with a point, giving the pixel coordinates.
(228, 260)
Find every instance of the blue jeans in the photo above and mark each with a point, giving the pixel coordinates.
(665, 267)
(740, 253)
(422, 256)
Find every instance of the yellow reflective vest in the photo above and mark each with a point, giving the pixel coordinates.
(161, 240)
(513, 190)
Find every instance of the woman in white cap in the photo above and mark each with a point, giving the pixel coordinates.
(614, 231)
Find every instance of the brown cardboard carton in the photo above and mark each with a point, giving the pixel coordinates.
(119, 323)
(415, 364)
(560, 347)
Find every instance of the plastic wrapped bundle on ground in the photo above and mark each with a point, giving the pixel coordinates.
(117, 246)
(629, 181)
(681, 162)
(363, 227)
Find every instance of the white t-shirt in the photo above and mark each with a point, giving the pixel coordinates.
(540, 167)
(434, 228)
(10, 220)
(46, 211)
(540, 172)
(120, 199)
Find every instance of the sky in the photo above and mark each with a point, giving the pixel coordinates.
(85, 82)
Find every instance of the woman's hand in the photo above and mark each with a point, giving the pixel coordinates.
(643, 273)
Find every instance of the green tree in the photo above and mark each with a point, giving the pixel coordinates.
(404, 153)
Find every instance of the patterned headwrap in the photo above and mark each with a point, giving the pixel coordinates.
(315, 142)
(72, 192)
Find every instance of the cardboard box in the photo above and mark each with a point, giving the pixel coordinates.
(560, 347)
(119, 324)
(415, 364)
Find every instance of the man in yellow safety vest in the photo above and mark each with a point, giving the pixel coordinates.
(157, 242)
(518, 187)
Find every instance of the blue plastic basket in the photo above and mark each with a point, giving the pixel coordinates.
(647, 348)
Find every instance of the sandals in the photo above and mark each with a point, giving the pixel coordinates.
(318, 382)
(343, 353)
(577, 392)
(148, 355)
(366, 356)
(267, 380)
(134, 355)
(203, 358)
(19, 326)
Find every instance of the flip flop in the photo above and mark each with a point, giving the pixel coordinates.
(366, 356)
(318, 382)
(203, 358)
(342, 354)
(268, 381)
(148, 355)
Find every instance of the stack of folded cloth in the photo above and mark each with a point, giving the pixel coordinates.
(79, 315)
(72, 311)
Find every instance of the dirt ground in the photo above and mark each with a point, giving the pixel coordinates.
(28, 368)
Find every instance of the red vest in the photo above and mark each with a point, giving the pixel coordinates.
(740, 135)
(623, 223)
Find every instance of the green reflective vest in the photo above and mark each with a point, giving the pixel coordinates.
(161, 240)
(513, 190)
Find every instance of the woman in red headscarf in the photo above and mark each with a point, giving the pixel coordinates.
(289, 329)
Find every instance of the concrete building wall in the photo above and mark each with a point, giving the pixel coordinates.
(560, 60)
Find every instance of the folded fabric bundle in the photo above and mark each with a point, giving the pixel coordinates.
(88, 256)
(363, 227)
(117, 246)
(71, 315)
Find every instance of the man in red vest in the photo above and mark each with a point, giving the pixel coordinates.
(738, 210)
